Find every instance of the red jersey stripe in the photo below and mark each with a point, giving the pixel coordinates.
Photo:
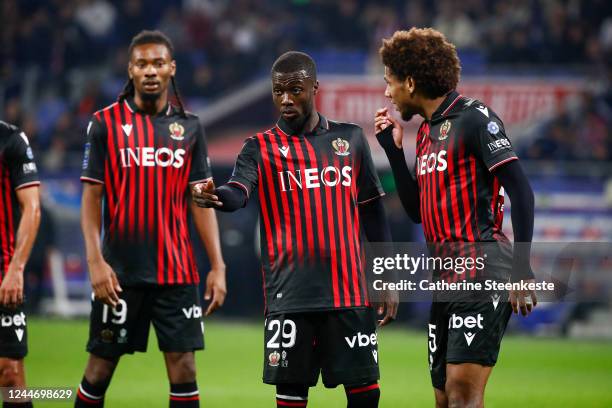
(307, 208)
(297, 216)
(141, 174)
(286, 217)
(347, 199)
(265, 218)
(271, 195)
(342, 234)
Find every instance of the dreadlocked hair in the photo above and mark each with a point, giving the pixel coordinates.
(152, 37)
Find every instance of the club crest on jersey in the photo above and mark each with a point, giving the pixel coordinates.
(341, 147)
(176, 131)
(273, 359)
(444, 129)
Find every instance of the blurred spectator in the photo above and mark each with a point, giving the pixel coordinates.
(70, 55)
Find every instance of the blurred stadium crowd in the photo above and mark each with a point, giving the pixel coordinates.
(63, 59)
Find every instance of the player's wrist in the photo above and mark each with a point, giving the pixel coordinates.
(95, 260)
(16, 268)
(218, 268)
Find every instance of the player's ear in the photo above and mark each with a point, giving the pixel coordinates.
(316, 87)
(130, 70)
(172, 67)
(409, 84)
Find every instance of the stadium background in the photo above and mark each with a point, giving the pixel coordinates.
(545, 66)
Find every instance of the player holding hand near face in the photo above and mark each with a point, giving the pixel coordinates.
(464, 164)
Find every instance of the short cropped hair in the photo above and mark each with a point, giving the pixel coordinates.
(425, 55)
(151, 37)
(294, 61)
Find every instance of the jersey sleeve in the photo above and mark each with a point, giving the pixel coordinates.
(94, 153)
(22, 168)
(368, 183)
(246, 169)
(200, 162)
(491, 144)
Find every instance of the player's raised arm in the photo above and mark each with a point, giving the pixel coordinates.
(389, 133)
(236, 192)
(11, 290)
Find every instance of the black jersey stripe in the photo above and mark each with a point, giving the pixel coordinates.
(142, 180)
(306, 201)
(269, 195)
(331, 229)
(265, 217)
(340, 224)
(350, 202)
(287, 224)
(121, 204)
(296, 198)
(281, 233)
(111, 175)
(317, 200)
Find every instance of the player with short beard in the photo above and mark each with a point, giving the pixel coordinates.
(317, 187)
(142, 156)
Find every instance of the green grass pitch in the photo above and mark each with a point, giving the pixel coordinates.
(531, 372)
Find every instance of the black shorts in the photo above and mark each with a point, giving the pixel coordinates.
(175, 312)
(341, 344)
(465, 332)
(13, 333)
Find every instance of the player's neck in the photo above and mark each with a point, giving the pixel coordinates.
(429, 106)
(312, 122)
(153, 106)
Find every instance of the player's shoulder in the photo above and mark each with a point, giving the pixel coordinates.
(7, 129)
(106, 109)
(188, 116)
(338, 126)
(475, 112)
(352, 131)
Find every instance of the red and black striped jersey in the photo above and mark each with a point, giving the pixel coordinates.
(309, 186)
(17, 170)
(461, 200)
(146, 164)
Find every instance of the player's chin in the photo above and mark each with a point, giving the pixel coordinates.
(406, 115)
(150, 96)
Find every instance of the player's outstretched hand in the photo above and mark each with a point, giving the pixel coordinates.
(215, 289)
(204, 194)
(11, 290)
(518, 300)
(383, 119)
(104, 283)
(388, 308)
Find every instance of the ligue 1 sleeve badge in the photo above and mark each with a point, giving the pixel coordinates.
(341, 147)
(444, 129)
(176, 131)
